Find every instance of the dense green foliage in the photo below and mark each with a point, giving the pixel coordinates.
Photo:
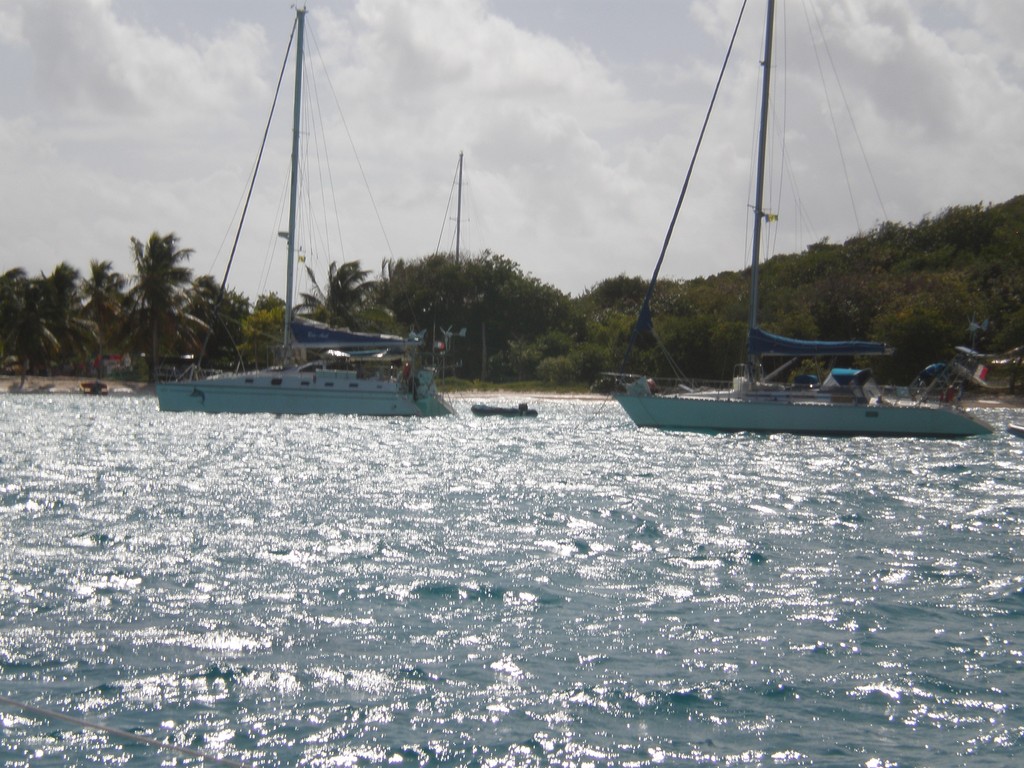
(915, 286)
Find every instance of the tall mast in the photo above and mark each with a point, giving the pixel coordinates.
(300, 20)
(759, 214)
(458, 213)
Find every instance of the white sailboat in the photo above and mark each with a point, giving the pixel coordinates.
(357, 373)
(847, 403)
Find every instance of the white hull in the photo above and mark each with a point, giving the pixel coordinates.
(848, 402)
(307, 392)
(730, 413)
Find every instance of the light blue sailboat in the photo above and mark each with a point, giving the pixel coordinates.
(358, 374)
(848, 403)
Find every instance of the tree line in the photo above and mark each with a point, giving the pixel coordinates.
(954, 279)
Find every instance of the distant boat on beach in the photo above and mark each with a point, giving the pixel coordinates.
(483, 409)
(96, 387)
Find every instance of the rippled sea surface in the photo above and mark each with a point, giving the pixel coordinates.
(560, 591)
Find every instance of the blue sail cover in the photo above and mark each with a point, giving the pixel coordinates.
(310, 334)
(763, 343)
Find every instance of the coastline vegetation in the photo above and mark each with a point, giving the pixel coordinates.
(954, 279)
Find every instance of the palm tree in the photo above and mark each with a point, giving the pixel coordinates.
(202, 299)
(11, 301)
(220, 311)
(157, 297)
(64, 312)
(103, 293)
(339, 302)
(24, 307)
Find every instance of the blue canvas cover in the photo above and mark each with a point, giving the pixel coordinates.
(763, 343)
(317, 335)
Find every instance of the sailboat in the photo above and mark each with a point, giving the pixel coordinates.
(848, 403)
(356, 373)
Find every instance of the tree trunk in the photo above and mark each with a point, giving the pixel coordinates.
(153, 360)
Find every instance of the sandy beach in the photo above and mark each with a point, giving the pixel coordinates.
(69, 385)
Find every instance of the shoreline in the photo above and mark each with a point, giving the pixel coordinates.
(70, 385)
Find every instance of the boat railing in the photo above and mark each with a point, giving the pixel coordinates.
(621, 382)
(189, 372)
(195, 373)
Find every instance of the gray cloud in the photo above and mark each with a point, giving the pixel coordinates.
(123, 118)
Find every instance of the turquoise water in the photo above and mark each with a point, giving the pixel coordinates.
(559, 591)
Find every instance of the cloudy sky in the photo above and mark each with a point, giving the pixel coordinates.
(577, 119)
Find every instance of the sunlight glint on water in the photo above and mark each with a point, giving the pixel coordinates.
(325, 591)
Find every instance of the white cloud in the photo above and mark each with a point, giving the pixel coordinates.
(122, 118)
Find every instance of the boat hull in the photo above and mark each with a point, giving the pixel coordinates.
(692, 413)
(481, 409)
(298, 394)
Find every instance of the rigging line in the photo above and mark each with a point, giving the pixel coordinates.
(803, 227)
(318, 240)
(751, 176)
(835, 126)
(230, 225)
(771, 234)
(273, 239)
(309, 256)
(248, 197)
(121, 734)
(447, 209)
(676, 370)
(311, 158)
(801, 218)
(314, 98)
(776, 144)
(362, 171)
(849, 112)
(644, 319)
